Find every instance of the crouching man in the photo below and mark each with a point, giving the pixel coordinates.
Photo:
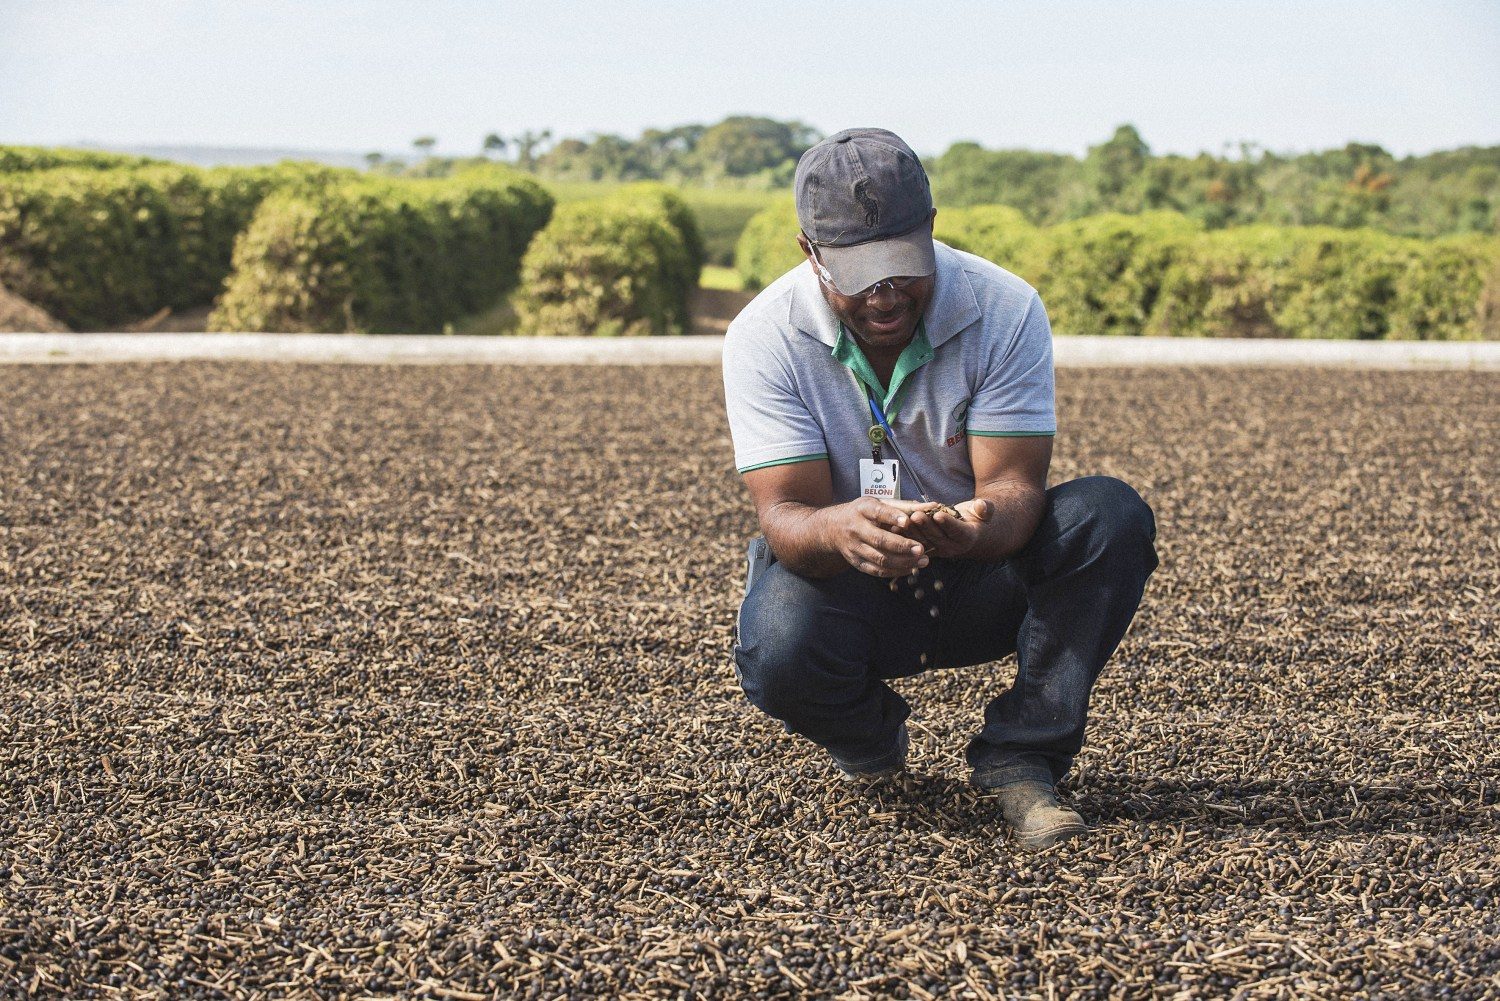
(891, 404)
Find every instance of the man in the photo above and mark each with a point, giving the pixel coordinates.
(891, 403)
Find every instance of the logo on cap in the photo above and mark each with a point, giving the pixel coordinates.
(869, 204)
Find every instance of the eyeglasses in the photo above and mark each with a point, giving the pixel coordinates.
(898, 283)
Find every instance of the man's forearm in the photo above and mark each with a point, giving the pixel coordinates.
(799, 537)
(1014, 520)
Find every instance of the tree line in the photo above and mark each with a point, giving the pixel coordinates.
(1357, 185)
(741, 151)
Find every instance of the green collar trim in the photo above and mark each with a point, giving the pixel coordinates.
(916, 354)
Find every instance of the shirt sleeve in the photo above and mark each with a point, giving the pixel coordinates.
(768, 420)
(1016, 393)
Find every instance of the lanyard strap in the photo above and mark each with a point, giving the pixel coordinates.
(879, 415)
(878, 412)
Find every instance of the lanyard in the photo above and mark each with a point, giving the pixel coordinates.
(880, 431)
(880, 434)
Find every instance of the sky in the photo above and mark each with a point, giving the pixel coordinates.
(1059, 75)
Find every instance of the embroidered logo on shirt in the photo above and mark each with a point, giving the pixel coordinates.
(959, 413)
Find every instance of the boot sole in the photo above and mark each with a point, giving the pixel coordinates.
(1047, 837)
(869, 780)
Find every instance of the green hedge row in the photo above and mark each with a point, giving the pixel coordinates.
(622, 264)
(381, 255)
(721, 213)
(767, 249)
(1159, 273)
(18, 159)
(1097, 275)
(1266, 281)
(97, 247)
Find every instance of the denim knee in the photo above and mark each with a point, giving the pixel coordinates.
(778, 625)
(1108, 508)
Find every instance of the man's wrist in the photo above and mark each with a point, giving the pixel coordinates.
(825, 537)
(1011, 513)
(811, 541)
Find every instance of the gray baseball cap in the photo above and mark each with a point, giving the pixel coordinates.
(863, 200)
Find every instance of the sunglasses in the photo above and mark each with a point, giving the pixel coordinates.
(898, 283)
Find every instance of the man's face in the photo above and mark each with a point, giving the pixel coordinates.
(887, 319)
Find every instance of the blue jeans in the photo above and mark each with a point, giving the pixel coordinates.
(816, 654)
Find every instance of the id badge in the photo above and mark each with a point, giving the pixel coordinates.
(880, 479)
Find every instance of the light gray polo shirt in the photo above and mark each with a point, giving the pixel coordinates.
(980, 363)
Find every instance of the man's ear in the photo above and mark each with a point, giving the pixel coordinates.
(806, 247)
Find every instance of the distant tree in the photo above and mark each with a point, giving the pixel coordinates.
(668, 153)
(527, 143)
(565, 160)
(494, 143)
(615, 157)
(1039, 184)
(742, 145)
(424, 144)
(1287, 191)
(658, 154)
(675, 150)
(373, 159)
(1112, 166)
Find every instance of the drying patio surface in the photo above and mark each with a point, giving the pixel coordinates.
(355, 680)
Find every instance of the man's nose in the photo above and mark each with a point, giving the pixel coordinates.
(885, 296)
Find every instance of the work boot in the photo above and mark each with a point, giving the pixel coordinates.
(1031, 809)
(881, 775)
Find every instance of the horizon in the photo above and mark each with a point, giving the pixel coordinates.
(146, 148)
(353, 77)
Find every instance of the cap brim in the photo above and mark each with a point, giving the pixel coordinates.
(856, 268)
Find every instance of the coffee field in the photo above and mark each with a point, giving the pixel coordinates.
(324, 681)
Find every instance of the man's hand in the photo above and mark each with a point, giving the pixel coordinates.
(816, 537)
(940, 533)
(866, 532)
